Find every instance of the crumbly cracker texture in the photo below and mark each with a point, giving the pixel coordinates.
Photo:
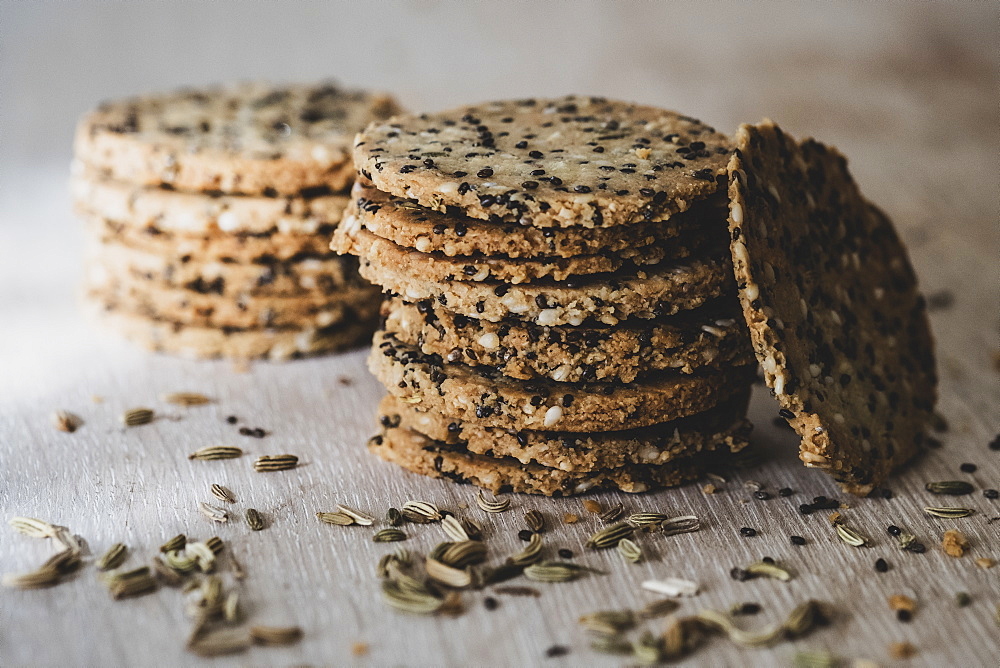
(567, 162)
(835, 316)
(252, 139)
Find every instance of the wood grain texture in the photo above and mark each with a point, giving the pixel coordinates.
(906, 90)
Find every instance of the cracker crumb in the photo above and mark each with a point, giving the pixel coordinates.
(592, 506)
(359, 649)
(643, 153)
(954, 543)
(709, 489)
(902, 602)
(570, 518)
(985, 562)
(835, 517)
(902, 650)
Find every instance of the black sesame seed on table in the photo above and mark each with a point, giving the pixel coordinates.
(484, 173)
(556, 650)
(232, 419)
(893, 530)
(797, 540)
(967, 468)
(904, 615)
(917, 548)
(525, 534)
(995, 443)
(761, 495)
(767, 560)
(991, 493)
(739, 574)
(881, 565)
(490, 603)
(748, 532)
(565, 553)
(748, 609)
(785, 491)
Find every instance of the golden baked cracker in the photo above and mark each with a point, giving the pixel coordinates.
(723, 427)
(569, 162)
(711, 335)
(412, 226)
(835, 316)
(487, 398)
(419, 454)
(252, 138)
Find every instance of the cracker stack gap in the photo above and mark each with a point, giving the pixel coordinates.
(561, 312)
(208, 215)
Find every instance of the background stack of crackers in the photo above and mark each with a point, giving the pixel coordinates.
(561, 311)
(208, 216)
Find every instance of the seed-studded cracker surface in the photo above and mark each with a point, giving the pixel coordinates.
(711, 335)
(721, 427)
(569, 162)
(489, 399)
(419, 454)
(413, 226)
(836, 319)
(254, 139)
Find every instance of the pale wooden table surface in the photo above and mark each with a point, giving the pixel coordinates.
(907, 90)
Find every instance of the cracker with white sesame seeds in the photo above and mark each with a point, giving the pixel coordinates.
(243, 311)
(252, 138)
(326, 274)
(413, 226)
(723, 428)
(607, 298)
(570, 162)
(271, 343)
(487, 398)
(433, 267)
(213, 246)
(158, 212)
(713, 334)
(835, 315)
(419, 454)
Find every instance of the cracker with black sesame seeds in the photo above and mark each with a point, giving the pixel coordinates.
(663, 290)
(253, 138)
(158, 211)
(420, 454)
(244, 311)
(432, 267)
(835, 316)
(273, 343)
(723, 428)
(212, 246)
(325, 274)
(413, 226)
(487, 398)
(713, 334)
(570, 162)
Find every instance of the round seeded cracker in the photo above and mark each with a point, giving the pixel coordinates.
(835, 316)
(570, 162)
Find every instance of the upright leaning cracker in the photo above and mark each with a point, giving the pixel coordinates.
(836, 319)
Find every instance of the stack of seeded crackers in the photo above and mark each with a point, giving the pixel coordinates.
(561, 309)
(579, 291)
(209, 214)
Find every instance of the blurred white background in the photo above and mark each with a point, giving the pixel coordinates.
(893, 84)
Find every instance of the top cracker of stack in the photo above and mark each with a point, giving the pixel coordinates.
(208, 214)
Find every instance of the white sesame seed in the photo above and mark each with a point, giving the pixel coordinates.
(489, 341)
(552, 416)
